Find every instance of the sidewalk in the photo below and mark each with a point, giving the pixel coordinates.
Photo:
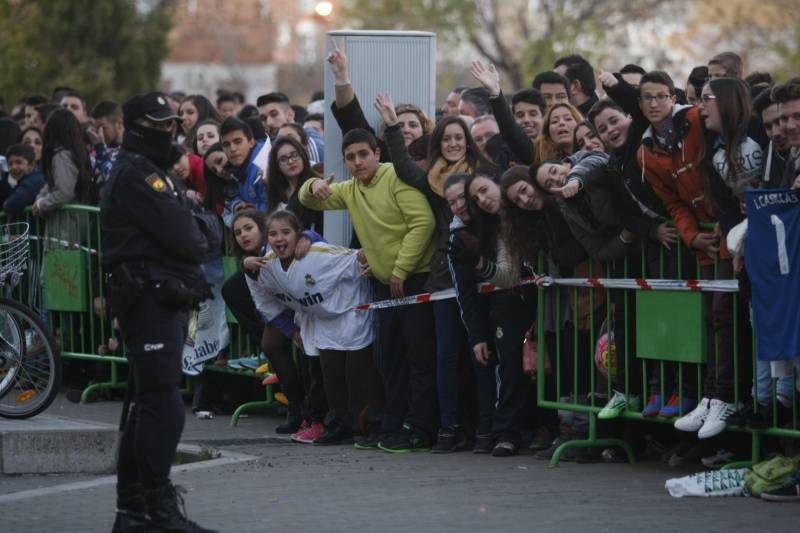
(288, 486)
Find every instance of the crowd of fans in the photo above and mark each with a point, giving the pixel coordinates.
(480, 192)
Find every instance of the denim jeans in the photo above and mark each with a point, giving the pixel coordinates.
(763, 385)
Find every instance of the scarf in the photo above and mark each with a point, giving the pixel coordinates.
(441, 170)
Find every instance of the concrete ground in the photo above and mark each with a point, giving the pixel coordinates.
(265, 483)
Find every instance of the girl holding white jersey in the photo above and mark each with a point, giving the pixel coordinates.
(323, 289)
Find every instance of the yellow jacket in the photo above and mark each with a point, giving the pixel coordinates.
(393, 221)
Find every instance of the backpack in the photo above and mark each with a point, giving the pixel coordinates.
(770, 475)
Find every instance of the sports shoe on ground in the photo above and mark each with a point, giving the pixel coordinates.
(263, 369)
(716, 420)
(541, 439)
(483, 443)
(718, 460)
(335, 434)
(406, 440)
(673, 406)
(653, 406)
(547, 453)
(369, 441)
(615, 406)
(693, 420)
(504, 448)
(450, 439)
(292, 424)
(789, 492)
(309, 434)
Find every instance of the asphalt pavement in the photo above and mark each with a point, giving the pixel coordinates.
(262, 482)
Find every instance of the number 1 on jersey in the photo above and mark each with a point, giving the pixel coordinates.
(780, 234)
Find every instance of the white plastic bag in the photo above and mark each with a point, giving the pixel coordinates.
(710, 483)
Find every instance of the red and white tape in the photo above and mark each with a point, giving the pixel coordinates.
(690, 285)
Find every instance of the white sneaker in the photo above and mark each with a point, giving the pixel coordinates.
(716, 419)
(693, 420)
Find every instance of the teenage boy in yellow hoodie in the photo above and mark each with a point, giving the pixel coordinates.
(394, 224)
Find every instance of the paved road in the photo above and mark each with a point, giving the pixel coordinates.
(292, 487)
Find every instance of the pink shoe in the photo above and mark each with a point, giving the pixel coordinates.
(309, 434)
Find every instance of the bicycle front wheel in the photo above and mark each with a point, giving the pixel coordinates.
(30, 363)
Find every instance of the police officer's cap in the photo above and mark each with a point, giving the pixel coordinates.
(152, 106)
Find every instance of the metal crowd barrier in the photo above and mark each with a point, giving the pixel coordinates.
(64, 284)
(667, 340)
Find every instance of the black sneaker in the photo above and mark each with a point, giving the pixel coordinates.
(483, 443)
(450, 440)
(293, 422)
(545, 455)
(406, 440)
(335, 434)
(504, 448)
(369, 441)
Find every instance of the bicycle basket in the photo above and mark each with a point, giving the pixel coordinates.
(14, 252)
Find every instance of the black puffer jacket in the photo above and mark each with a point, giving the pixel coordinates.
(591, 214)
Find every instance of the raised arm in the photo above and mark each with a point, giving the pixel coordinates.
(519, 143)
(407, 170)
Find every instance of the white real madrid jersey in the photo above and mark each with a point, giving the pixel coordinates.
(322, 289)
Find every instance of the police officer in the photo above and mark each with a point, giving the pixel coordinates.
(153, 246)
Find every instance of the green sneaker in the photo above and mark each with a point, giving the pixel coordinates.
(615, 406)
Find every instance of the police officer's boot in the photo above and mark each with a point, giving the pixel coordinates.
(131, 510)
(167, 512)
(294, 419)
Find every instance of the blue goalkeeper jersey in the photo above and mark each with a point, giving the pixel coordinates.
(772, 257)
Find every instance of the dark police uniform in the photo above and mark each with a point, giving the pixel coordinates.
(153, 248)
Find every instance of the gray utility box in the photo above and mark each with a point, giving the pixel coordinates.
(402, 63)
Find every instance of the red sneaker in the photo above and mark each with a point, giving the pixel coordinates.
(309, 434)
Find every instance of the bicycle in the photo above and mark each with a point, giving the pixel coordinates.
(30, 360)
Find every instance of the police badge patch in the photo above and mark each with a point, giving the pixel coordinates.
(156, 183)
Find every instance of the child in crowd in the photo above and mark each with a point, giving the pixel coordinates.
(322, 289)
(24, 181)
(278, 332)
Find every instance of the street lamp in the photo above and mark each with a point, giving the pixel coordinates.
(323, 9)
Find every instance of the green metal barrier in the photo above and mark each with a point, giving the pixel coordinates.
(670, 335)
(64, 284)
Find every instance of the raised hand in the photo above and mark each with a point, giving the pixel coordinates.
(607, 79)
(385, 107)
(321, 188)
(487, 76)
(338, 61)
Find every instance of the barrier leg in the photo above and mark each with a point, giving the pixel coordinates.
(592, 441)
(94, 388)
(755, 446)
(267, 403)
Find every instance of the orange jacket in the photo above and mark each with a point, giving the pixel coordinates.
(676, 178)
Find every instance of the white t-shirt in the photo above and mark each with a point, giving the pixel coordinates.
(322, 289)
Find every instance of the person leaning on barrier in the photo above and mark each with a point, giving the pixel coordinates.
(153, 246)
